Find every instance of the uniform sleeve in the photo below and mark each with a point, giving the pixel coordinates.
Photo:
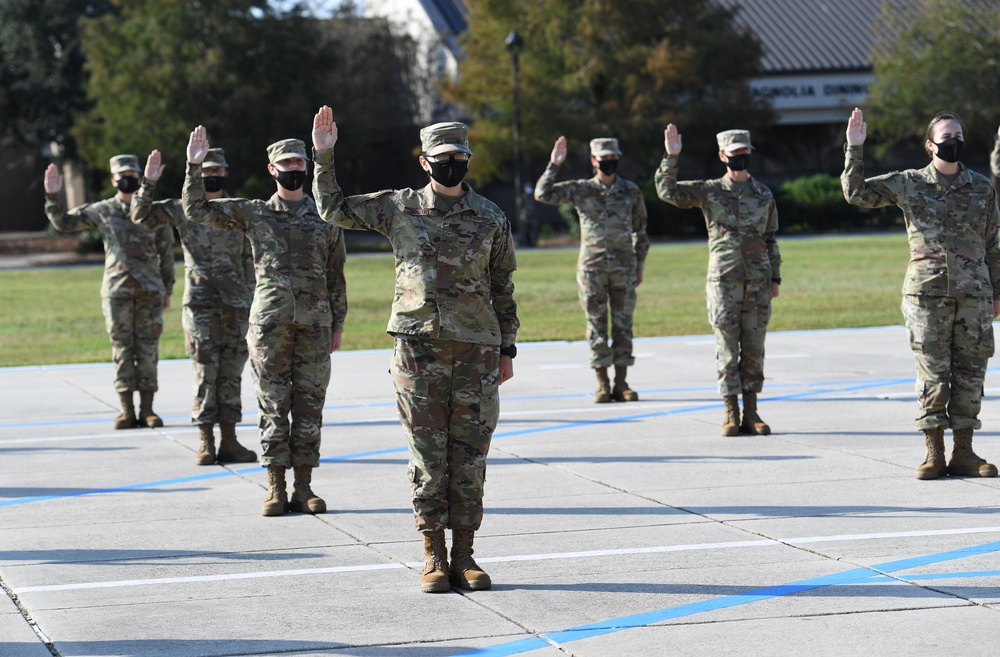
(993, 243)
(362, 212)
(503, 262)
(152, 214)
(773, 253)
(876, 192)
(249, 275)
(165, 252)
(640, 240)
(547, 190)
(682, 194)
(227, 214)
(336, 285)
(75, 221)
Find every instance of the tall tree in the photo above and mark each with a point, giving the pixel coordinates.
(939, 55)
(601, 68)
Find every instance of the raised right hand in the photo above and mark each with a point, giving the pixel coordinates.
(154, 169)
(672, 140)
(53, 179)
(559, 151)
(857, 129)
(324, 131)
(197, 147)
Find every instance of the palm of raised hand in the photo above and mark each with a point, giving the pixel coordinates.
(53, 179)
(857, 129)
(197, 147)
(324, 132)
(559, 151)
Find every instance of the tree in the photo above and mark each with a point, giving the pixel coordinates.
(594, 68)
(941, 55)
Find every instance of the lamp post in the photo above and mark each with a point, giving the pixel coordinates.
(514, 44)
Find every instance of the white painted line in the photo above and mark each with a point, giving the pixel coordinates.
(659, 549)
(94, 436)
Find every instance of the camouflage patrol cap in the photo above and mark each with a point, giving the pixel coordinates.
(216, 157)
(450, 137)
(120, 163)
(604, 146)
(733, 140)
(286, 149)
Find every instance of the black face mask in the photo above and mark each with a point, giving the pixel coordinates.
(213, 183)
(607, 167)
(449, 173)
(950, 150)
(738, 162)
(291, 180)
(127, 184)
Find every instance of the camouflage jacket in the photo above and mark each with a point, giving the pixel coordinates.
(298, 259)
(741, 222)
(612, 219)
(454, 264)
(218, 264)
(134, 257)
(953, 231)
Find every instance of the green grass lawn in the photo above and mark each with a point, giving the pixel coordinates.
(53, 315)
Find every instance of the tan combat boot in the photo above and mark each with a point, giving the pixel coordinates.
(964, 462)
(206, 451)
(146, 414)
(933, 466)
(465, 572)
(303, 500)
(276, 503)
(603, 394)
(434, 579)
(230, 449)
(127, 418)
(752, 424)
(621, 390)
(731, 423)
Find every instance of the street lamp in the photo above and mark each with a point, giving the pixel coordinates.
(514, 44)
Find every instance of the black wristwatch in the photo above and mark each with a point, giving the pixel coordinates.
(509, 351)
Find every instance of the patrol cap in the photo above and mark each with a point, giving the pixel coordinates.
(604, 146)
(216, 157)
(450, 137)
(733, 140)
(120, 163)
(286, 149)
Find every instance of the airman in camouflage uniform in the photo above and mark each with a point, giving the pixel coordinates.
(138, 282)
(219, 281)
(744, 267)
(952, 288)
(454, 321)
(297, 316)
(613, 247)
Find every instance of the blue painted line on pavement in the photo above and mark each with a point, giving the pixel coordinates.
(641, 620)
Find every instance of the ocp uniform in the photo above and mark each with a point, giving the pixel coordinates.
(300, 299)
(744, 259)
(219, 281)
(138, 274)
(952, 280)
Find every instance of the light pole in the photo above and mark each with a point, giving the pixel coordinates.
(514, 44)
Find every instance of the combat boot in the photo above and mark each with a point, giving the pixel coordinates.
(146, 414)
(933, 466)
(465, 572)
(127, 418)
(434, 579)
(731, 423)
(621, 390)
(206, 451)
(964, 462)
(603, 394)
(752, 424)
(276, 503)
(230, 449)
(303, 500)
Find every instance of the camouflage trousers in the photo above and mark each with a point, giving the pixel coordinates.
(134, 326)
(952, 341)
(216, 341)
(290, 364)
(448, 400)
(600, 289)
(739, 312)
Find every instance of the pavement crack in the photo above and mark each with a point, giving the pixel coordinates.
(26, 615)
